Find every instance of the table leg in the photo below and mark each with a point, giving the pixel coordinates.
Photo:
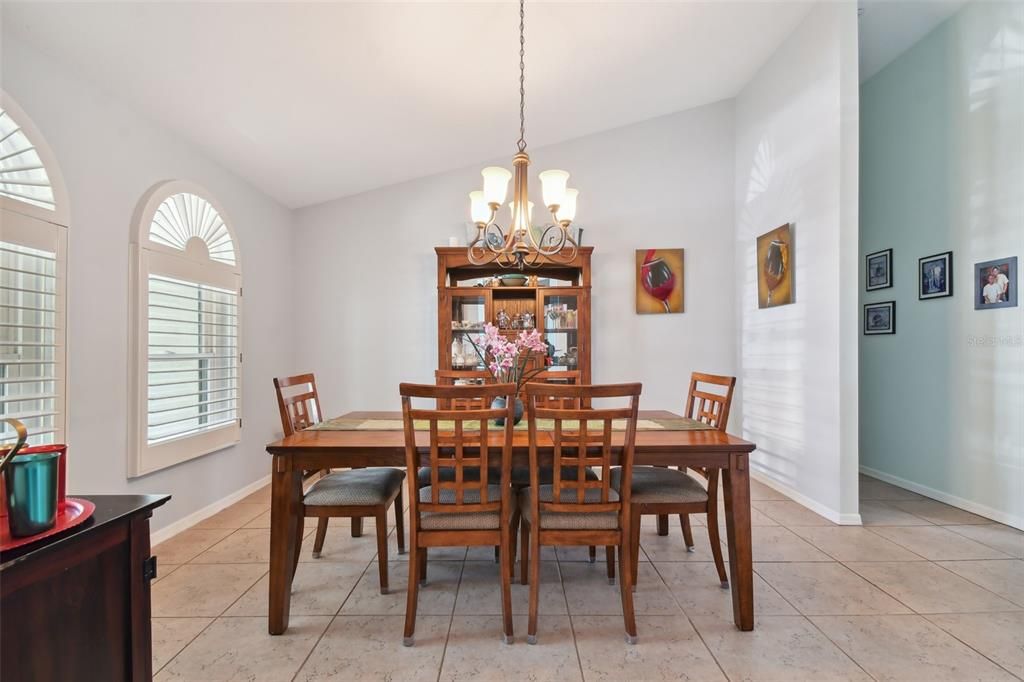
(286, 486)
(736, 484)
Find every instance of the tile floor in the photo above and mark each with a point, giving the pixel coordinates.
(923, 591)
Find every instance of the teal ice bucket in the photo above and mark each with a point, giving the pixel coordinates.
(30, 482)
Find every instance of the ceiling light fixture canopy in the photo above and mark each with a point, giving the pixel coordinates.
(521, 244)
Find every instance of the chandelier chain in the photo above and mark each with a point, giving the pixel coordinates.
(522, 76)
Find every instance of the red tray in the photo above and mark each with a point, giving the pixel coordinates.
(72, 512)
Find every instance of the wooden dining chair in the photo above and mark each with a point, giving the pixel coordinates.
(579, 511)
(355, 494)
(663, 491)
(466, 511)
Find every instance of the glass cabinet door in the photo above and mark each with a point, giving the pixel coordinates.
(560, 328)
(469, 314)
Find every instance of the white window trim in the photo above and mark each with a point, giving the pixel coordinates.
(148, 257)
(60, 215)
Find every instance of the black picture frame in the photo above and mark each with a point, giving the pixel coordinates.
(1008, 267)
(935, 276)
(872, 263)
(885, 324)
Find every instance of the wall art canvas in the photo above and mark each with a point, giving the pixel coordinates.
(878, 270)
(880, 318)
(995, 284)
(775, 267)
(659, 281)
(935, 276)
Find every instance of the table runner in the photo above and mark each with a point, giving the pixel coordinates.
(349, 424)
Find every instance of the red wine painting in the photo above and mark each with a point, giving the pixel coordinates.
(659, 281)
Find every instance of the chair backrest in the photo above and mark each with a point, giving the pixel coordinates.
(448, 377)
(459, 440)
(583, 438)
(707, 406)
(301, 409)
(556, 378)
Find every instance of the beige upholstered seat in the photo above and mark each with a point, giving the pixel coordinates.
(461, 520)
(655, 485)
(359, 487)
(571, 520)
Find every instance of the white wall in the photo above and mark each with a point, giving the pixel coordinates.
(369, 267)
(796, 160)
(109, 157)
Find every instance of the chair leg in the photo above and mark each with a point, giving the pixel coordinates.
(400, 522)
(414, 585)
(513, 541)
(497, 553)
(684, 523)
(634, 542)
(357, 527)
(663, 524)
(531, 630)
(423, 565)
(524, 552)
(625, 580)
(593, 554)
(321, 535)
(300, 527)
(507, 559)
(716, 549)
(382, 549)
(610, 558)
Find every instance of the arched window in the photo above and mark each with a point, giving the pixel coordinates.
(33, 280)
(187, 312)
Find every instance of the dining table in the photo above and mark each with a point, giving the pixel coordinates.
(383, 444)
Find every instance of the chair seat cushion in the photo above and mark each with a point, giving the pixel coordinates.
(582, 520)
(435, 520)
(655, 485)
(546, 475)
(447, 475)
(356, 488)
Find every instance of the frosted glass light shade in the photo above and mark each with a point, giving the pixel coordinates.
(495, 184)
(567, 209)
(553, 186)
(479, 211)
(529, 210)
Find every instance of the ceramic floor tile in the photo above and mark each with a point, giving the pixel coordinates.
(780, 648)
(243, 546)
(370, 648)
(671, 547)
(851, 543)
(907, 648)
(939, 513)
(188, 544)
(263, 521)
(435, 553)
(698, 591)
(163, 570)
(928, 588)
(171, 635)
(937, 543)
(996, 635)
(487, 554)
(197, 590)
(818, 588)
(875, 513)
(476, 652)
(1005, 577)
(790, 513)
(261, 496)
(436, 598)
(480, 591)
(235, 516)
(776, 543)
(588, 592)
(760, 491)
(575, 553)
(241, 649)
(873, 489)
(339, 545)
(1007, 540)
(319, 589)
(668, 649)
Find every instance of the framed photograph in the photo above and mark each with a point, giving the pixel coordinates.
(659, 281)
(880, 318)
(935, 276)
(995, 284)
(878, 270)
(775, 267)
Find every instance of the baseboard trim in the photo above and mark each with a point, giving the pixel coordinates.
(169, 531)
(941, 496)
(815, 506)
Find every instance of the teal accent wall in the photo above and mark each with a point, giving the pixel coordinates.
(942, 168)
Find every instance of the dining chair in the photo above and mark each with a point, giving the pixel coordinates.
(663, 491)
(580, 511)
(355, 493)
(468, 510)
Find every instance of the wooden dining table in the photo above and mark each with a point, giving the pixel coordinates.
(315, 449)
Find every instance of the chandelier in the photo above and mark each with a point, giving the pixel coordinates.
(522, 244)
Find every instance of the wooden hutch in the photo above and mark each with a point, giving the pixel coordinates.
(468, 297)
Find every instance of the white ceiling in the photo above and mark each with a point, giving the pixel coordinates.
(889, 27)
(313, 101)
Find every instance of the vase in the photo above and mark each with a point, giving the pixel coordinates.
(499, 404)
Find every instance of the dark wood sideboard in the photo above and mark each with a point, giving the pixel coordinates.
(76, 606)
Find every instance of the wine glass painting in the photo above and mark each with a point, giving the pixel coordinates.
(775, 267)
(659, 281)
